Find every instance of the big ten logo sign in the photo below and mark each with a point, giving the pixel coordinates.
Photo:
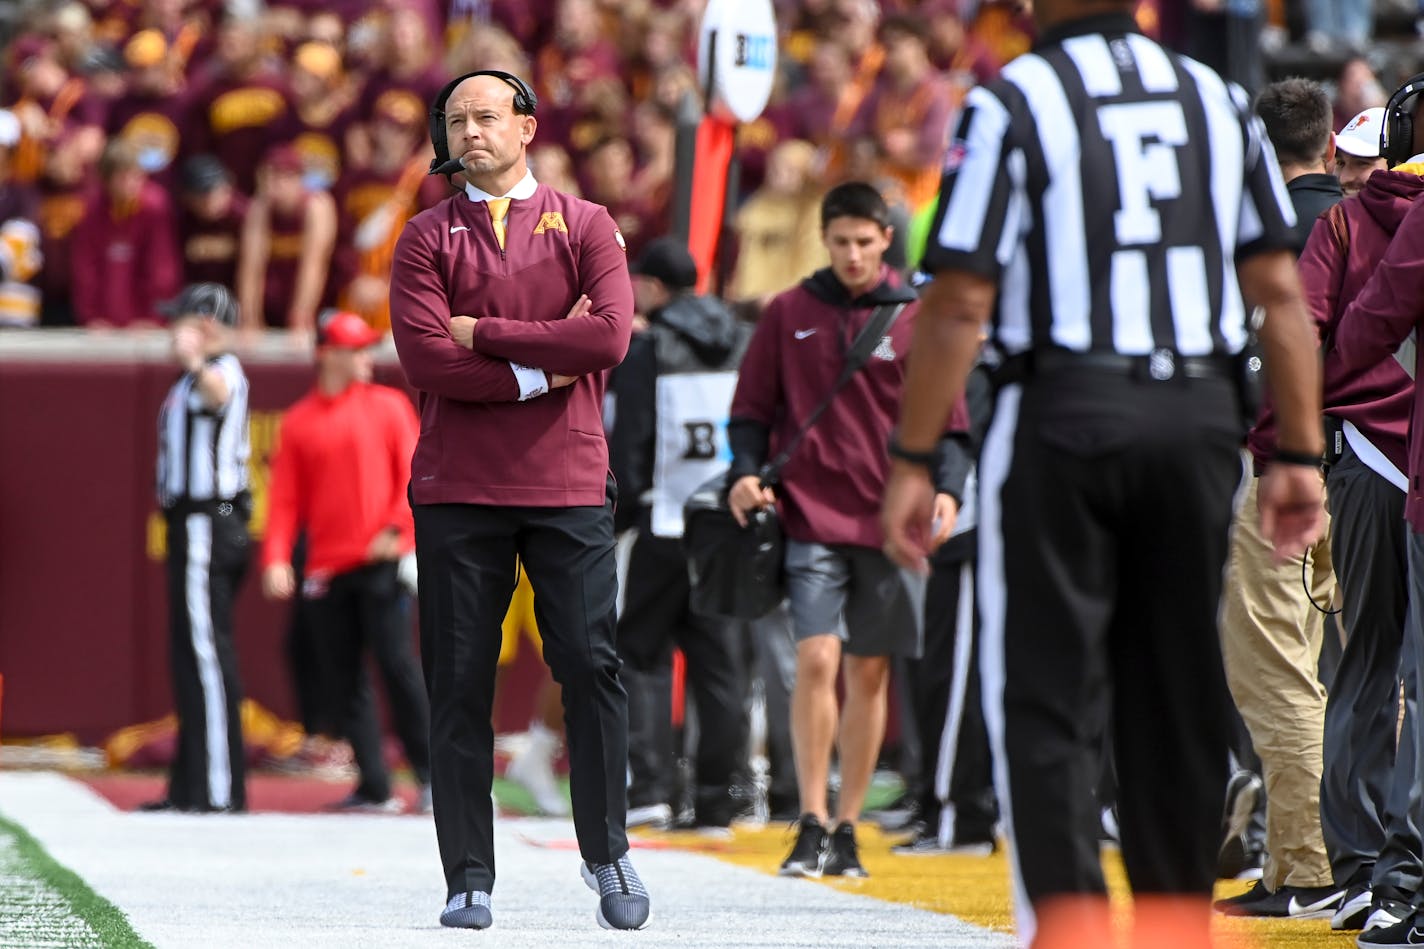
(755, 52)
(263, 429)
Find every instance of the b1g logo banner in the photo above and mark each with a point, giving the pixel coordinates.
(740, 66)
(691, 441)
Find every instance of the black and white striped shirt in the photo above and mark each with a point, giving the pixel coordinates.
(202, 452)
(1110, 186)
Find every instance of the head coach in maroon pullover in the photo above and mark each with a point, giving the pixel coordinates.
(510, 303)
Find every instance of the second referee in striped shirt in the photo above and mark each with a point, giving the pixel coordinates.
(1105, 204)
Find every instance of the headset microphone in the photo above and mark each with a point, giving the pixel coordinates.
(449, 168)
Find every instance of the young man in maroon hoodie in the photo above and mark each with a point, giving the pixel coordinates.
(510, 303)
(849, 604)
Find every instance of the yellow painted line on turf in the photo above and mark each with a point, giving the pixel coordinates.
(976, 889)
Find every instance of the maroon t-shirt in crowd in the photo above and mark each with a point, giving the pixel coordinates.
(237, 120)
(210, 247)
(61, 208)
(284, 259)
(320, 142)
(153, 123)
(478, 443)
(832, 488)
(421, 88)
(125, 261)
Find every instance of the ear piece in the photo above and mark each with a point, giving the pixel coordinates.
(1397, 136)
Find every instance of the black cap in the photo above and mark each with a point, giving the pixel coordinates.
(667, 259)
(203, 173)
(203, 299)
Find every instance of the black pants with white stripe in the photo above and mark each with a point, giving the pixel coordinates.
(208, 553)
(467, 556)
(363, 612)
(955, 790)
(1106, 507)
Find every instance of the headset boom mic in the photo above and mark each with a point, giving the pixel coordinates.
(449, 168)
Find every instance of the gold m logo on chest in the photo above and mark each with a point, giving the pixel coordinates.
(551, 221)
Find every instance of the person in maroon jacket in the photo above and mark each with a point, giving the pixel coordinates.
(209, 221)
(125, 258)
(850, 606)
(510, 303)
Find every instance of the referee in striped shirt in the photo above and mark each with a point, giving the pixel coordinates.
(1105, 205)
(202, 488)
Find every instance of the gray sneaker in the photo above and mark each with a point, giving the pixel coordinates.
(622, 899)
(469, 910)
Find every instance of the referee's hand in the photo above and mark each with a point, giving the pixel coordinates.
(907, 517)
(1291, 502)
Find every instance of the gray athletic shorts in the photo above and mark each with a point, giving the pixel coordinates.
(875, 608)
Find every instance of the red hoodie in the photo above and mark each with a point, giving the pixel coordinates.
(340, 471)
(478, 443)
(1344, 247)
(1382, 315)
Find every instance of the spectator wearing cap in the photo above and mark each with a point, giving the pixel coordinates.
(284, 261)
(671, 395)
(339, 475)
(210, 221)
(151, 111)
(235, 109)
(908, 111)
(322, 114)
(124, 252)
(1357, 150)
(374, 203)
(203, 492)
(408, 72)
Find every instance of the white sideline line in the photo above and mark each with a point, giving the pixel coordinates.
(358, 881)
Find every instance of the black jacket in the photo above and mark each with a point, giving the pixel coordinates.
(1312, 196)
(689, 334)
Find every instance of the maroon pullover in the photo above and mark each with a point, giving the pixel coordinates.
(1382, 316)
(1344, 247)
(478, 443)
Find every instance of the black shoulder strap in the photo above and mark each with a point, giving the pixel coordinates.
(865, 342)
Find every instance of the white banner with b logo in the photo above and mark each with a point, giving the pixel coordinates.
(691, 441)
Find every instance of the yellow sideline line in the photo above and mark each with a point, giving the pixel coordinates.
(976, 889)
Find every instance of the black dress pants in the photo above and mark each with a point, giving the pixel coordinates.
(656, 617)
(208, 554)
(361, 610)
(467, 562)
(1106, 505)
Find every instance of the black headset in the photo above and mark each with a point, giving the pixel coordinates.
(525, 103)
(1397, 136)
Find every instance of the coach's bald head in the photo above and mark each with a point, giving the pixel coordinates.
(487, 134)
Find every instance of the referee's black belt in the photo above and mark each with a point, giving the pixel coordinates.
(1160, 365)
(241, 504)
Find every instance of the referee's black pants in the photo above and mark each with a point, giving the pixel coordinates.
(656, 617)
(466, 557)
(362, 610)
(1106, 507)
(208, 553)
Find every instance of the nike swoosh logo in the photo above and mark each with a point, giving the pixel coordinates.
(802, 334)
(1416, 937)
(1296, 908)
(458, 227)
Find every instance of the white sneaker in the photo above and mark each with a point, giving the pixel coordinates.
(657, 816)
(532, 768)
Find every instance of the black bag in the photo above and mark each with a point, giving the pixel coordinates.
(737, 572)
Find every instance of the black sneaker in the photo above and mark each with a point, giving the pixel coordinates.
(623, 901)
(1408, 932)
(1354, 908)
(842, 856)
(1385, 914)
(809, 853)
(469, 910)
(1239, 854)
(1288, 902)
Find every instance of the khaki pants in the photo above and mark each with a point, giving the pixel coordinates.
(1270, 643)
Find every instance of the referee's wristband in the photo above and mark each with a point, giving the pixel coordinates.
(924, 459)
(1301, 458)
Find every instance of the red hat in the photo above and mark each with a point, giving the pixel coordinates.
(343, 330)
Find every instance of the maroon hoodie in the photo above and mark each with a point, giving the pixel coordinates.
(478, 443)
(1382, 315)
(1344, 247)
(832, 488)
